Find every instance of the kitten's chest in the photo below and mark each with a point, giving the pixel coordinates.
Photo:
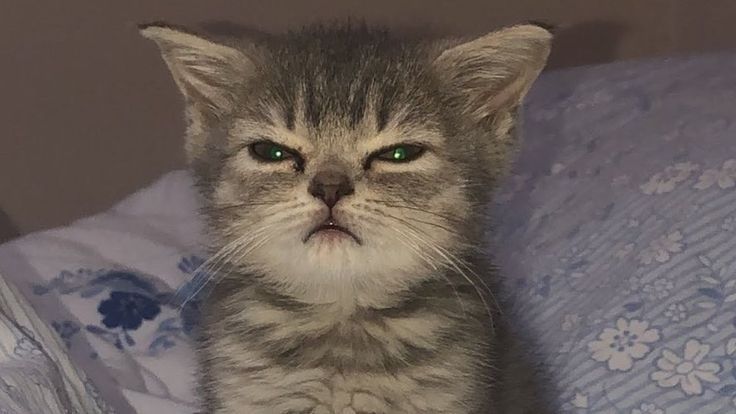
(428, 389)
(328, 361)
(332, 338)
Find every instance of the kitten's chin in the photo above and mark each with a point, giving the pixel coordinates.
(332, 266)
(329, 239)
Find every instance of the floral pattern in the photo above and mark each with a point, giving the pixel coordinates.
(132, 300)
(724, 177)
(687, 371)
(127, 310)
(647, 409)
(661, 249)
(659, 289)
(620, 245)
(664, 182)
(119, 297)
(35, 374)
(620, 346)
(676, 312)
(134, 313)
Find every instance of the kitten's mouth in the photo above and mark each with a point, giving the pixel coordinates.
(330, 228)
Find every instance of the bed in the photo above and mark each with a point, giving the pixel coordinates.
(616, 234)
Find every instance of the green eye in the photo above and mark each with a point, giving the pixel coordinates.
(270, 152)
(275, 153)
(400, 153)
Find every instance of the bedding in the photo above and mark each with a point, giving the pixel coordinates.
(107, 285)
(36, 374)
(616, 233)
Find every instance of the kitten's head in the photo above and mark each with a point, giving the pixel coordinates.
(338, 161)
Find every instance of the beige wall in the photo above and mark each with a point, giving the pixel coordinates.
(88, 113)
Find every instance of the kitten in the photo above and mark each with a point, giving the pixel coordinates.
(345, 175)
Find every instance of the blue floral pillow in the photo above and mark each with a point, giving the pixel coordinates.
(111, 285)
(618, 233)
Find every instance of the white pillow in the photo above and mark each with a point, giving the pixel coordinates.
(106, 284)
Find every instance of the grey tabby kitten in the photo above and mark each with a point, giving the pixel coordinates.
(345, 175)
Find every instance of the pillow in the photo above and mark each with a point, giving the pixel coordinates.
(37, 374)
(618, 234)
(615, 232)
(107, 285)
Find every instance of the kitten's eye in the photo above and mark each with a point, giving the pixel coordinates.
(400, 153)
(270, 152)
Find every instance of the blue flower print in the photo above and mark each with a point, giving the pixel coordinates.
(66, 330)
(127, 310)
(125, 299)
(190, 264)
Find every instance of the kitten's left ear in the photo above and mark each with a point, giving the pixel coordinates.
(205, 72)
(495, 71)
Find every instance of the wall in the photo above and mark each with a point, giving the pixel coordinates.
(89, 114)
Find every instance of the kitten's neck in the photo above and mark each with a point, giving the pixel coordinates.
(291, 332)
(454, 294)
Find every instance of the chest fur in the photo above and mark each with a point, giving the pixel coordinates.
(325, 360)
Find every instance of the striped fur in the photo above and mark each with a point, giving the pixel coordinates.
(407, 321)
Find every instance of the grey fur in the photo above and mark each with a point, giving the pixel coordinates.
(410, 320)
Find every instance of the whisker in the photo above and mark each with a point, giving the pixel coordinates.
(200, 270)
(425, 210)
(215, 274)
(453, 261)
(392, 203)
(410, 205)
(414, 247)
(240, 248)
(455, 264)
(449, 230)
(250, 204)
(214, 265)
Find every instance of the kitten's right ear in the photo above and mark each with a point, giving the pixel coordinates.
(207, 73)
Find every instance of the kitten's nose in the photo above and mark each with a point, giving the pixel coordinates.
(330, 186)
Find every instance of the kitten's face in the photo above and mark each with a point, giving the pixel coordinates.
(338, 163)
(339, 203)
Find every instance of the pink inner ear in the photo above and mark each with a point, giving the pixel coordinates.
(496, 70)
(205, 71)
(490, 100)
